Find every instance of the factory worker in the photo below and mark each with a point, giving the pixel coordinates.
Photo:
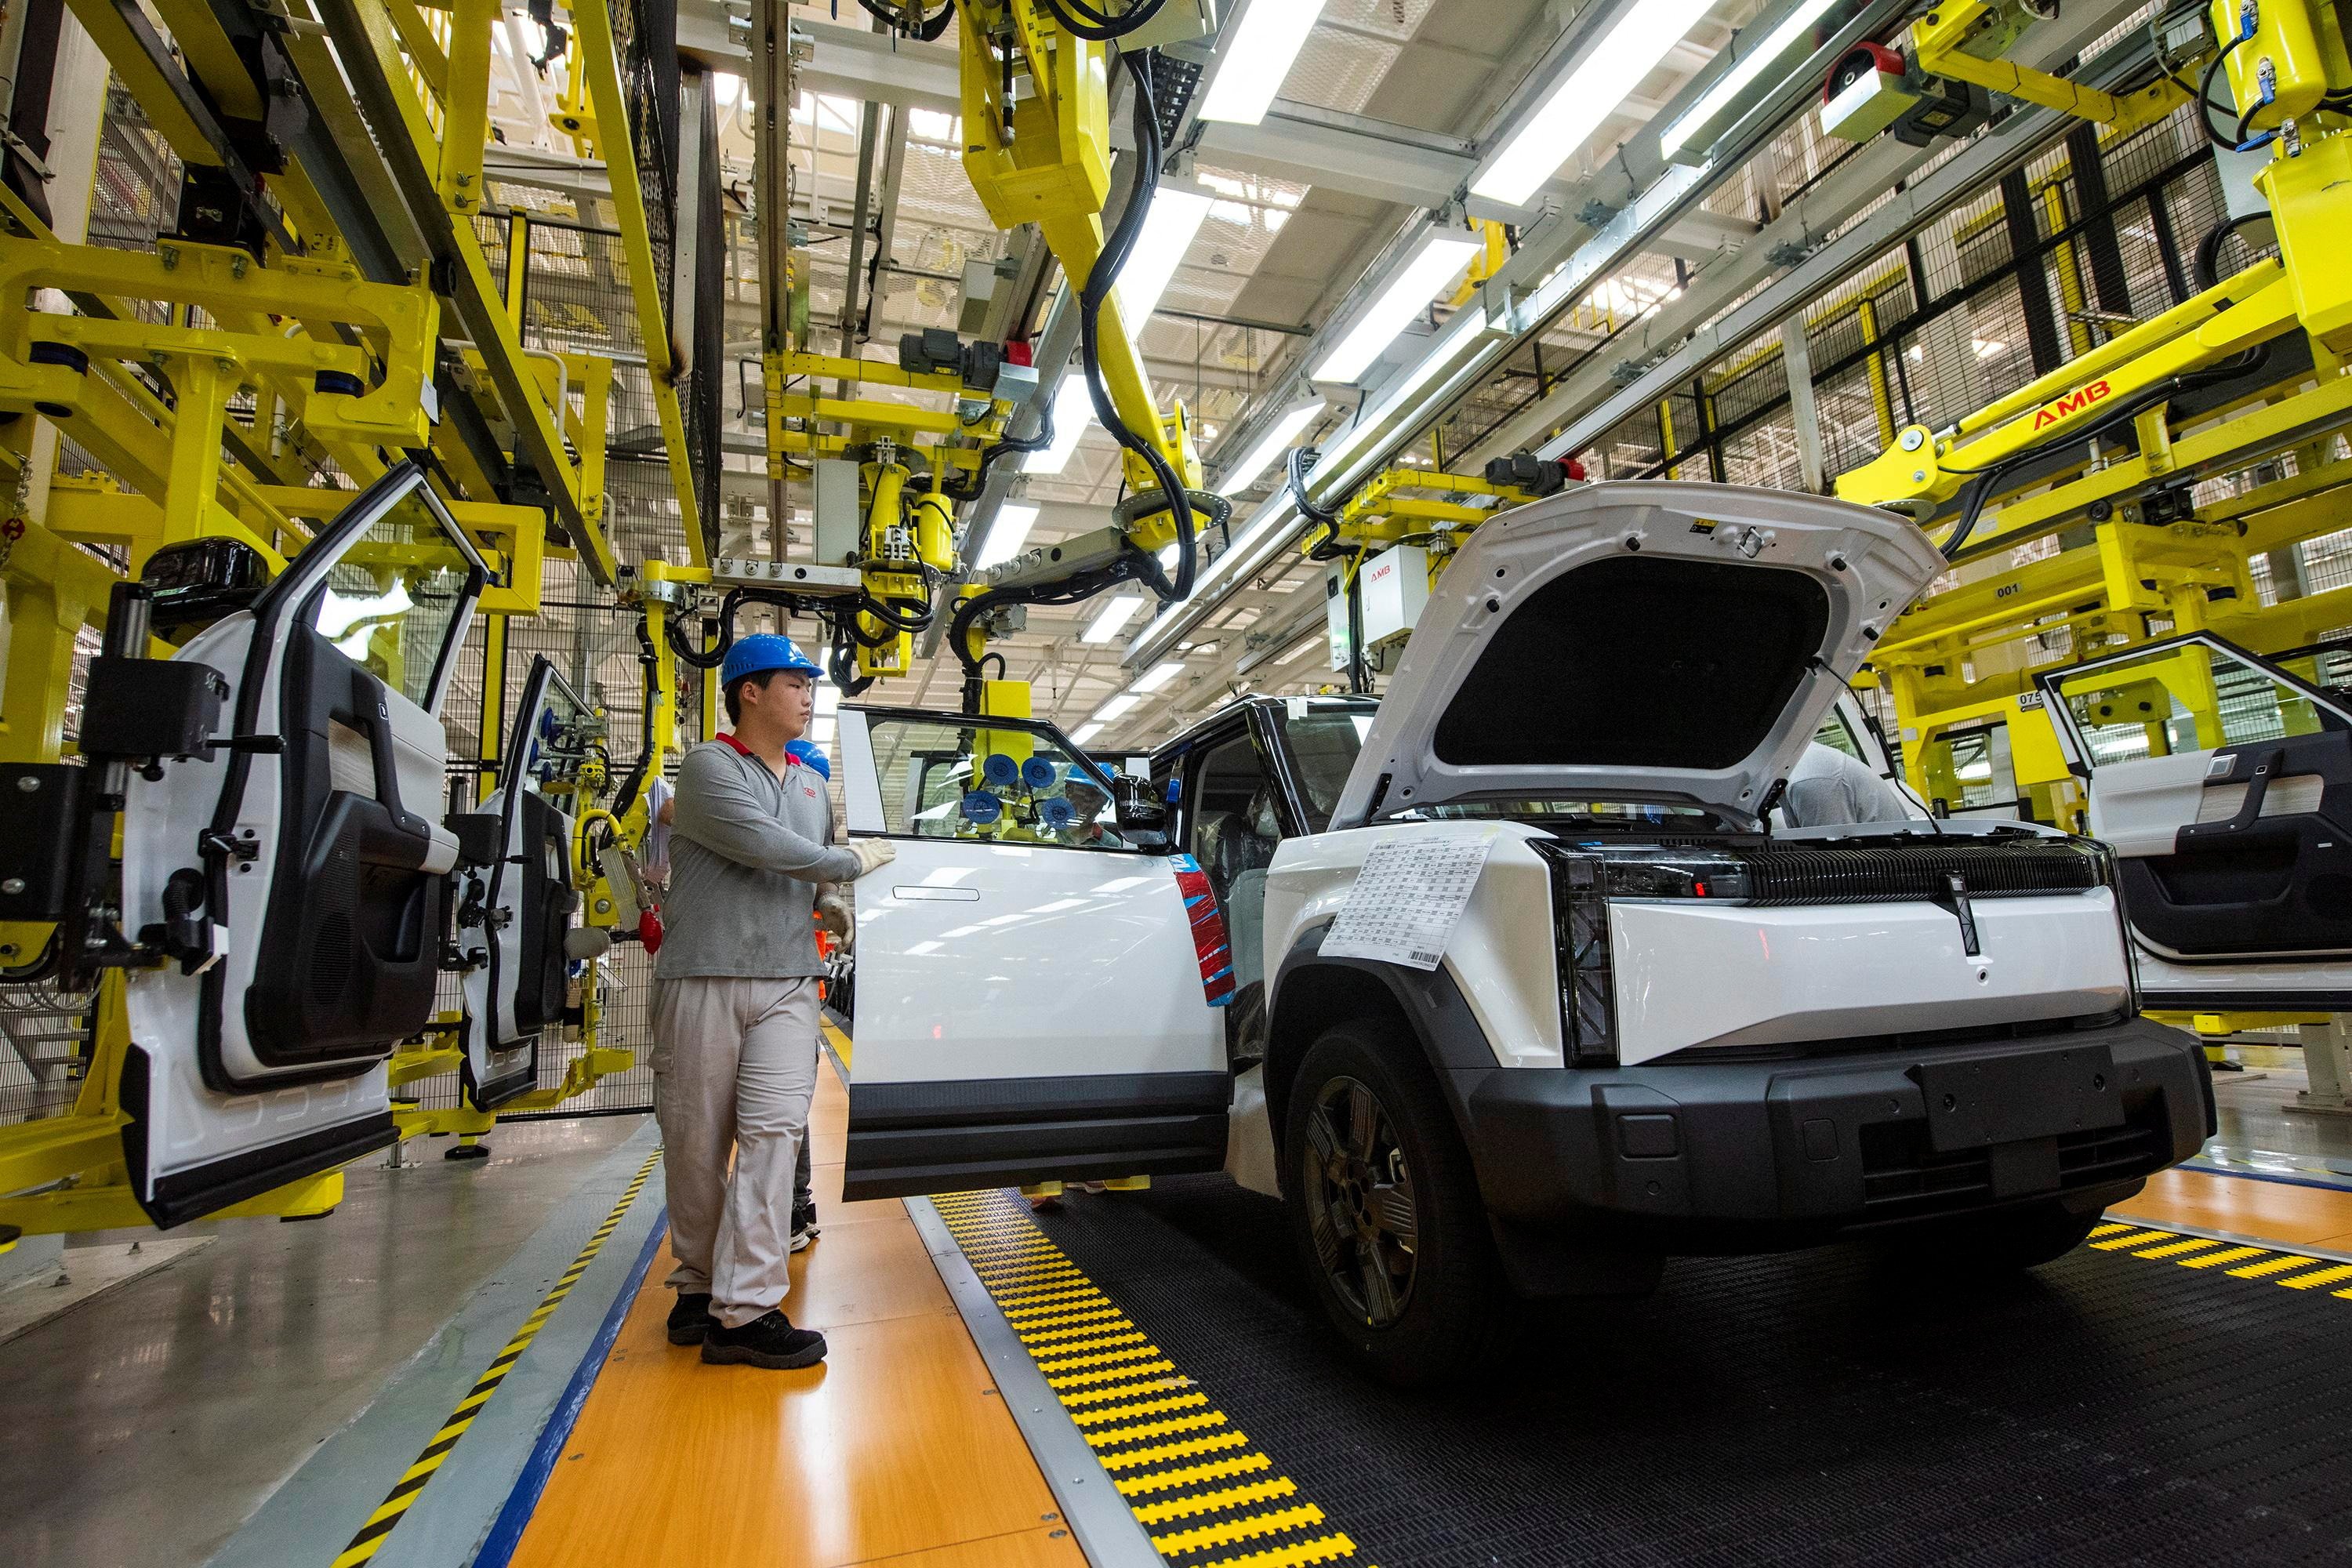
(735, 1005)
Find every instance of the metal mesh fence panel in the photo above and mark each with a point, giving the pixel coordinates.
(2001, 289)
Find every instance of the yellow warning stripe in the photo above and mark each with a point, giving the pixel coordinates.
(1203, 1537)
(1214, 1502)
(2295, 1271)
(1137, 1433)
(1145, 1407)
(403, 1497)
(1161, 1438)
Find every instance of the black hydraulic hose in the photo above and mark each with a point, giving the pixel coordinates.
(1090, 302)
(927, 29)
(1078, 17)
(1297, 466)
(649, 664)
(2207, 266)
(2205, 104)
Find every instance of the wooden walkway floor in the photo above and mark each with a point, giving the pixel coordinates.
(896, 1450)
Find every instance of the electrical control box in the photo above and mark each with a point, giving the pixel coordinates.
(1395, 586)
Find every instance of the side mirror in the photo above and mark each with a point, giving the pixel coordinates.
(1137, 807)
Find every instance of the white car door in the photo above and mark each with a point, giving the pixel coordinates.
(2224, 782)
(513, 914)
(315, 851)
(1036, 991)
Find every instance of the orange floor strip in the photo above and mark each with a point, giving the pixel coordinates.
(896, 1450)
(2281, 1212)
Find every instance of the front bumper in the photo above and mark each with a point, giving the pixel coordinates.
(1750, 1155)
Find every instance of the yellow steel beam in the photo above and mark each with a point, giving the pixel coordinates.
(1941, 41)
(111, 1206)
(601, 62)
(118, 31)
(369, 56)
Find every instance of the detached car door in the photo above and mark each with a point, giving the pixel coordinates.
(2223, 782)
(514, 913)
(1037, 990)
(316, 852)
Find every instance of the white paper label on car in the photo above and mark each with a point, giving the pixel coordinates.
(1407, 900)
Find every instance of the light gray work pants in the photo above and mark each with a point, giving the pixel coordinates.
(734, 1065)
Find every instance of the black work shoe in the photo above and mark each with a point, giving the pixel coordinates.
(804, 1226)
(691, 1319)
(769, 1340)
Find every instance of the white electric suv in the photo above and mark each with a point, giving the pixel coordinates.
(1650, 1023)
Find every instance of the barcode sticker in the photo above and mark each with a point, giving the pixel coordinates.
(1407, 900)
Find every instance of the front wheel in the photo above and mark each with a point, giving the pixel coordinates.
(1384, 1211)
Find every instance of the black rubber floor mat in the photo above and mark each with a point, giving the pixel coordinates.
(1803, 1409)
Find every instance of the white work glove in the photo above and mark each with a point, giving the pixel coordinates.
(872, 854)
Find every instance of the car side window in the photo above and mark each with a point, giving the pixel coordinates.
(1232, 828)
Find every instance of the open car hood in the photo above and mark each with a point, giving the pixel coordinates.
(1639, 640)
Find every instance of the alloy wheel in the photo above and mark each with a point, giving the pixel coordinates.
(1360, 1202)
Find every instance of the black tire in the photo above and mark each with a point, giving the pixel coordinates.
(1408, 1277)
(2002, 1242)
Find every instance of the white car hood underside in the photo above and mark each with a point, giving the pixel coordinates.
(1641, 640)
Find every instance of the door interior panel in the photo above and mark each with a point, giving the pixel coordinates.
(317, 866)
(2139, 806)
(347, 958)
(547, 901)
(2263, 863)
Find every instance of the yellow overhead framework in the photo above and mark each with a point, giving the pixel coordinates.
(370, 53)
(600, 63)
(1036, 123)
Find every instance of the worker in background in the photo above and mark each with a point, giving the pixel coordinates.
(1088, 801)
(735, 1006)
(1831, 788)
(833, 917)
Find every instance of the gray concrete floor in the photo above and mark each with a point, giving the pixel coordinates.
(2259, 1133)
(142, 1429)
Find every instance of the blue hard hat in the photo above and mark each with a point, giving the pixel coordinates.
(764, 651)
(810, 755)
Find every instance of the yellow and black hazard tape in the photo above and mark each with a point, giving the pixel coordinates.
(403, 1497)
(2273, 1265)
(1196, 1482)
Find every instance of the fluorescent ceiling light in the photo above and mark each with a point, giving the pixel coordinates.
(1441, 256)
(1588, 94)
(1112, 618)
(820, 730)
(1013, 521)
(1256, 57)
(1084, 733)
(1278, 440)
(1116, 707)
(1158, 675)
(1074, 410)
(828, 697)
(1168, 230)
(1797, 24)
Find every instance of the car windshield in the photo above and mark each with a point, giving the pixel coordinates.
(1322, 739)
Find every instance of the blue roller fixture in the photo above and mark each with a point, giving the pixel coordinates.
(1038, 773)
(982, 807)
(1000, 769)
(1057, 813)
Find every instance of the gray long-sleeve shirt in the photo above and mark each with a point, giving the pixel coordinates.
(747, 850)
